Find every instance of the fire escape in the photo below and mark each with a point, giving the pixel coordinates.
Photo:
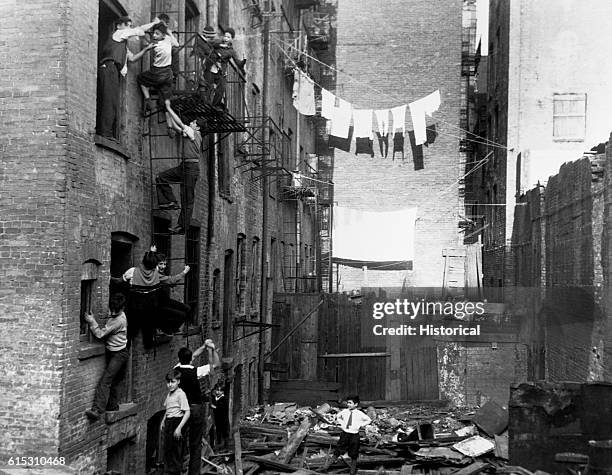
(165, 150)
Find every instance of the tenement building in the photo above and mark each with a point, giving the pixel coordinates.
(92, 121)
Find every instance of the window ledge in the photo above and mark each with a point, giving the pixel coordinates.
(125, 410)
(111, 145)
(90, 350)
(556, 139)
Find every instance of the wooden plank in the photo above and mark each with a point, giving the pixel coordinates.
(312, 385)
(237, 453)
(355, 355)
(289, 450)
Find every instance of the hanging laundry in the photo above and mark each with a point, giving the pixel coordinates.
(383, 142)
(340, 143)
(398, 144)
(303, 93)
(418, 110)
(382, 119)
(431, 134)
(341, 119)
(364, 145)
(417, 152)
(398, 115)
(363, 131)
(328, 103)
(363, 122)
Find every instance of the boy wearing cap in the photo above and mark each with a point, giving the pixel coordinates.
(113, 66)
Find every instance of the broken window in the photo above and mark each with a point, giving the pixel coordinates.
(254, 278)
(89, 278)
(192, 279)
(241, 274)
(569, 117)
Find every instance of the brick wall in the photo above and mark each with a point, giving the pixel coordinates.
(559, 240)
(391, 53)
(63, 198)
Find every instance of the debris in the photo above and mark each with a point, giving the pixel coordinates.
(474, 446)
(501, 446)
(237, 453)
(441, 454)
(491, 418)
(472, 469)
(289, 450)
(466, 431)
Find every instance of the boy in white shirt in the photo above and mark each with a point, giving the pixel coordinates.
(350, 420)
(176, 416)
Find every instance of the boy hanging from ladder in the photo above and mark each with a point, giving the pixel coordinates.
(186, 173)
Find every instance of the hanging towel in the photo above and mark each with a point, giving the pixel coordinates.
(303, 93)
(382, 119)
(382, 235)
(399, 118)
(328, 104)
(339, 143)
(363, 123)
(417, 152)
(341, 119)
(418, 109)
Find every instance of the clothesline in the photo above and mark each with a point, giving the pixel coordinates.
(289, 45)
(438, 131)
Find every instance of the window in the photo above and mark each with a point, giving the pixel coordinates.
(89, 277)
(254, 277)
(569, 117)
(215, 295)
(192, 279)
(223, 168)
(228, 292)
(241, 274)
(122, 245)
(110, 99)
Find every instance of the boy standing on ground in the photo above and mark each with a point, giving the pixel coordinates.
(351, 420)
(115, 335)
(176, 416)
(190, 384)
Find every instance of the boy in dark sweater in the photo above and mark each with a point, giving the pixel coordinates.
(190, 384)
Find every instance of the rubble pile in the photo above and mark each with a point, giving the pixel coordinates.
(401, 440)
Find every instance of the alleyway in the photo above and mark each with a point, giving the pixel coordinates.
(248, 237)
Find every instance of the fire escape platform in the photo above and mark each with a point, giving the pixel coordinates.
(212, 119)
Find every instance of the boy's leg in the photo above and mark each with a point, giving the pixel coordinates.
(173, 456)
(353, 452)
(113, 398)
(165, 195)
(113, 366)
(196, 430)
(188, 195)
(109, 99)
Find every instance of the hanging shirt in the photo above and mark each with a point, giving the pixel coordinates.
(341, 120)
(382, 119)
(363, 123)
(418, 109)
(328, 104)
(398, 115)
(303, 93)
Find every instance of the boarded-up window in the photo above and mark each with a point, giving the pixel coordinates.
(569, 116)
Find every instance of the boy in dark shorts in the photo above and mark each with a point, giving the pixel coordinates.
(351, 420)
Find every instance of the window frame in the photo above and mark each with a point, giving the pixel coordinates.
(569, 97)
(90, 270)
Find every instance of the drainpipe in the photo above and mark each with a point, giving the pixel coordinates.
(265, 247)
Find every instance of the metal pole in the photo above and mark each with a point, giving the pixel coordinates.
(265, 259)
